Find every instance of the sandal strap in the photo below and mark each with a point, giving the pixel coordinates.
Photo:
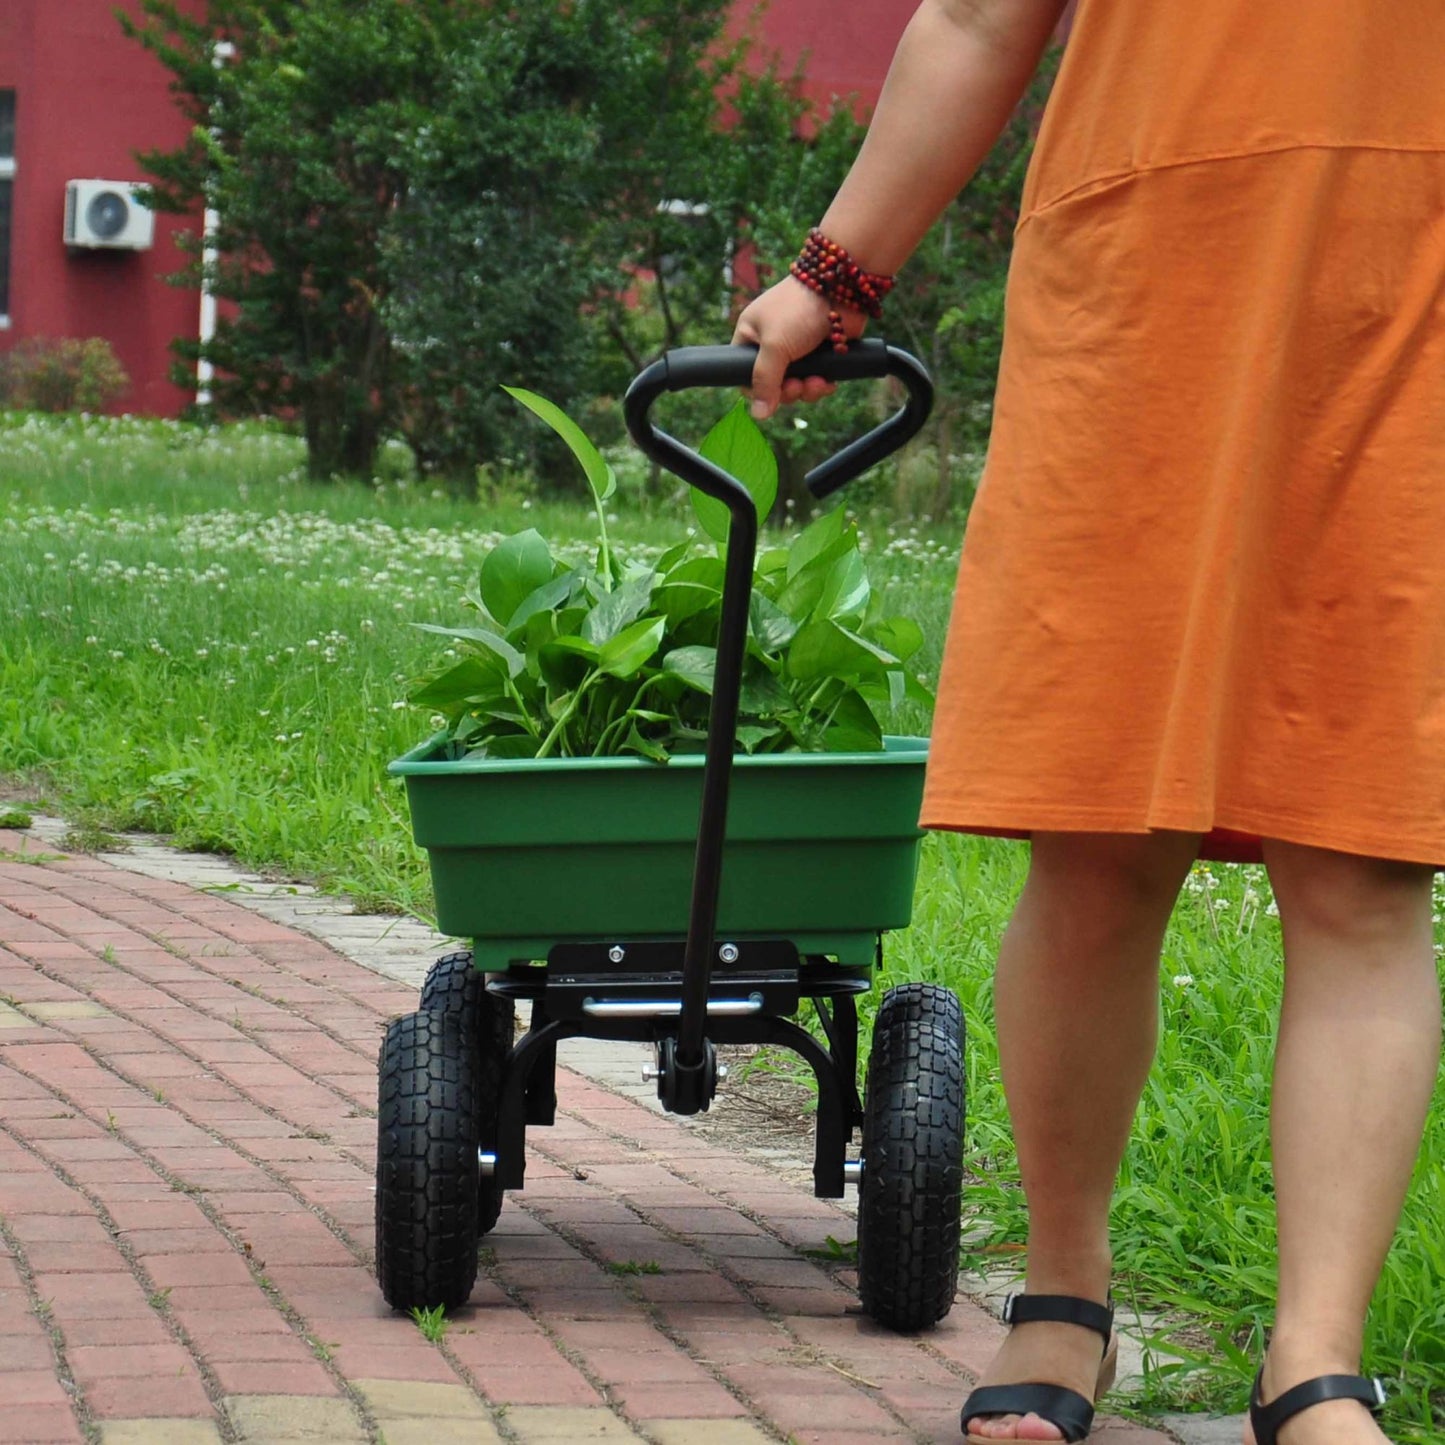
(1067, 1409)
(1368, 1389)
(1068, 1309)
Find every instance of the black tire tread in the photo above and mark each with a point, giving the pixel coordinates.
(456, 987)
(909, 1204)
(426, 1163)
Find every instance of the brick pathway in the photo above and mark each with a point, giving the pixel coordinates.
(187, 1102)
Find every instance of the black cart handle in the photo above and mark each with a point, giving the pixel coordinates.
(722, 366)
(688, 1086)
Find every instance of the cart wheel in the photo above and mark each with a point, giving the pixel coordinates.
(426, 1163)
(910, 1196)
(454, 986)
(928, 1001)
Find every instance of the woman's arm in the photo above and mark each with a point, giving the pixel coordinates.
(959, 71)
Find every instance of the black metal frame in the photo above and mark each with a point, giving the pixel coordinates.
(684, 977)
(559, 991)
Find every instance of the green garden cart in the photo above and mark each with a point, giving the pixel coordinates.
(685, 905)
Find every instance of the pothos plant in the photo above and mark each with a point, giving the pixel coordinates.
(615, 656)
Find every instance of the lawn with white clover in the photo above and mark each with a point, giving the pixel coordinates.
(195, 641)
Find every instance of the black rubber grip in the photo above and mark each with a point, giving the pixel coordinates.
(721, 366)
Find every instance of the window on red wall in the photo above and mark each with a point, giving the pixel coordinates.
(6, 191)
(7, 187)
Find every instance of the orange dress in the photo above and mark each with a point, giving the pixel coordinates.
(1203, 583)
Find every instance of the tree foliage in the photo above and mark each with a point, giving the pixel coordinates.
(419, 201)
(538, 194)
(299, 144)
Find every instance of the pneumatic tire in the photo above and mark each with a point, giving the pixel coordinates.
(910, 1195)
(455, 987)
(426, 1163)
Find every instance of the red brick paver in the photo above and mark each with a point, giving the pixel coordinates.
(187, 1132)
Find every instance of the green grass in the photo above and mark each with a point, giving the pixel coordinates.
(432, 1323)
(196, 642)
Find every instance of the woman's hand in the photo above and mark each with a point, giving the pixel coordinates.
(786, 322)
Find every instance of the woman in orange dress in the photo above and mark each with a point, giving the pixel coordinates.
(1200, 607)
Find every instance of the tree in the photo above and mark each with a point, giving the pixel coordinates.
(420, 199)
(537, 195)
(299, 143)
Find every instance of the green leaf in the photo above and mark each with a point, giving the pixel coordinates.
(636, 743)
(752, 738)
(564, 660)
(469, 678)
(690, 589)
(625, 654)
(845, 589)
(854, 729)
(600, 477)
(514, 569)
(737, 445)
(772, 627)
(762, 695)
(619, 608)
(489, 641)
(815, 539)
(577, 645)
(509, 745)
(672, 557)
(694, 665)
(800, 595)
(902, 636)
(823, 649)
(544, 599)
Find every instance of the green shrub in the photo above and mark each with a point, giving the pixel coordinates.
(71, 374)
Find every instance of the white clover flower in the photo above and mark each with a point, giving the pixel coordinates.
(1183, 980)
(91, 640)
(401, 702)
(203, 652)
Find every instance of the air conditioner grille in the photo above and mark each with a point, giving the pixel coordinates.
(106, 214)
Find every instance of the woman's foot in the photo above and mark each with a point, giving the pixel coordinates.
(1332, 1422)
(1044, 1352)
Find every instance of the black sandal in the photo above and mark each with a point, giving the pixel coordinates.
(1266, 1419)
(1067, 1409)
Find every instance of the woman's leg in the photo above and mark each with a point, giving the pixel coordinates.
(1076, 1003)
(1355, 1067)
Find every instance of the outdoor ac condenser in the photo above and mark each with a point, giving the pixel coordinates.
(107, 215)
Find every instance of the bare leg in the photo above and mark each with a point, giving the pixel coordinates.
(1076, 1004)
(1355, 1068)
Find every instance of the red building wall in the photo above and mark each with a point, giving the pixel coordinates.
(846, 48)
(86, 98)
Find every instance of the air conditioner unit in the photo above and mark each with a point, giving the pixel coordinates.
(107, 215)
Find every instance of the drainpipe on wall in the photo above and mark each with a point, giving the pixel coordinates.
(221, 52)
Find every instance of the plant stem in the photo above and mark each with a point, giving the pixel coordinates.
(567, 715)
(604, 554)
(523, 709)
(603, 742)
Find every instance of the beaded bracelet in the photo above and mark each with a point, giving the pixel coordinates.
(825, 267)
